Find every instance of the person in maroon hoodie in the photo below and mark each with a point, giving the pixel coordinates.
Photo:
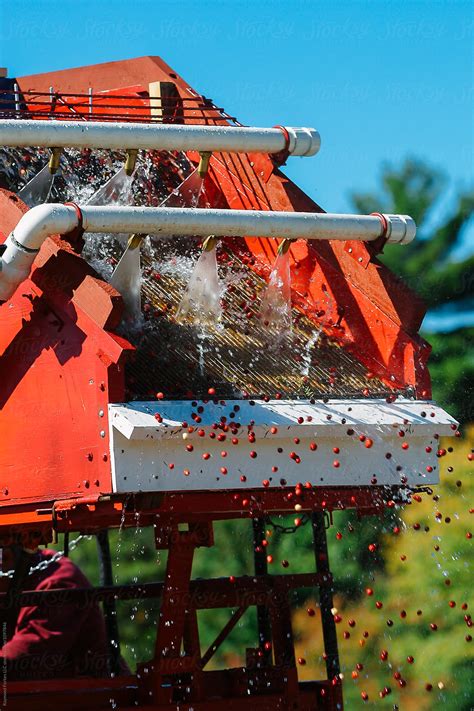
(55, 638)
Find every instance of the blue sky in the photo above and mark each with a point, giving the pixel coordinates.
(380, 80)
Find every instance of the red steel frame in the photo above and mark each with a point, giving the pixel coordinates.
(65, 364)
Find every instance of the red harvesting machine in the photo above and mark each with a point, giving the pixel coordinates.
(185, 423)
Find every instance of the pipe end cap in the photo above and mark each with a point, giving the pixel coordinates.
(303, 141)
(401, 229)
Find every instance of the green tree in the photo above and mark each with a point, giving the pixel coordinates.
(427, 267)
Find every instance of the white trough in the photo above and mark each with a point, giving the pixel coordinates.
(379, 444)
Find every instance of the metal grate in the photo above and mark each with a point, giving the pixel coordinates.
(136, 106)
(242, 357)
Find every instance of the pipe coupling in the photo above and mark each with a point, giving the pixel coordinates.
(401, 229)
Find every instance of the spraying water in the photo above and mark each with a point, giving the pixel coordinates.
(275, 310)
(188, 194)
(307, 354)
(201, 304)
(38, 189)
(116, 191)
(126, 279)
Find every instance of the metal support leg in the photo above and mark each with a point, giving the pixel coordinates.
(261, 568)
(325, 595)
(110, 608)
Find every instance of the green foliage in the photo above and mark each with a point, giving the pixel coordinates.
(427, 567)
(427, 268)
(452, 372)
(425, 264)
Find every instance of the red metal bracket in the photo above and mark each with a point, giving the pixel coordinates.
(75, 237)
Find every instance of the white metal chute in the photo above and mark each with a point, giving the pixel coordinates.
(136, 435)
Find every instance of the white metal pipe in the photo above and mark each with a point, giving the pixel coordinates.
(164, 137)
(22, 245)
(25, 241)
(250, 223)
